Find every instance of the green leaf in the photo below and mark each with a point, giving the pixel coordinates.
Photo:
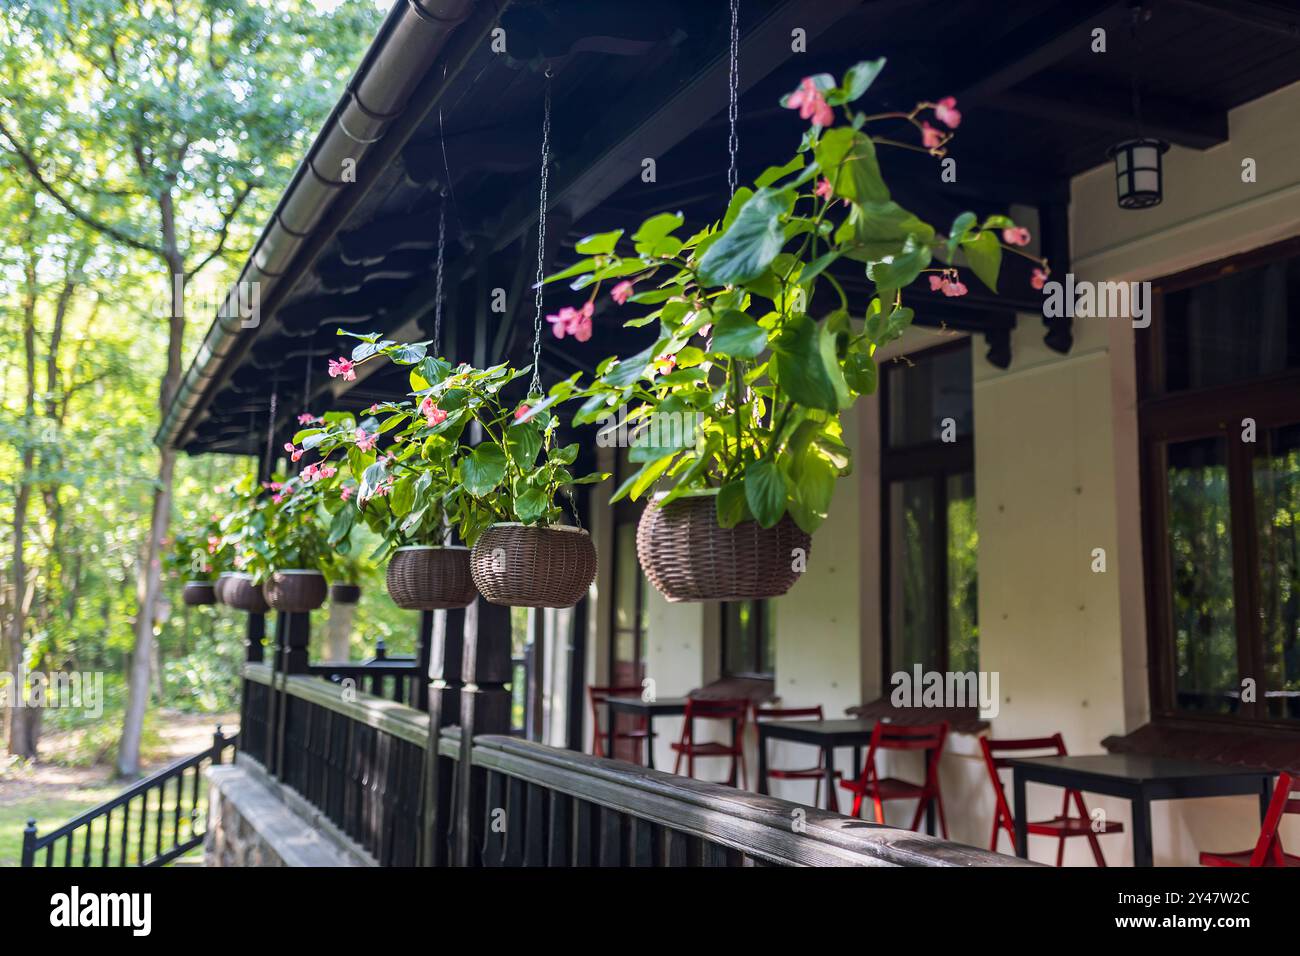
(371, 478)
(801, 371)
(773, 173)
(848, 159)
(984, 254)
(483, 470)
(628, 370)
(857, 81)
(648, 474)
(739, 336)
(961, 227)
(860, 372)
(599, 244)
(732, 507)
(402, 498)
(899, 271)
(765, 492)
(750, 243)
(524, 441)
(875, 230)
(531, 505)
(810, 498)
(654, 237)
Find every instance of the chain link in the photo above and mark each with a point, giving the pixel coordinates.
(535, 386)
(437, 296)
(733, 141)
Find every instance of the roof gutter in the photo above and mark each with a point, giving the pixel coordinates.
(397, 62)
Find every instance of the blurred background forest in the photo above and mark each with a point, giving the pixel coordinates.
(139, 141)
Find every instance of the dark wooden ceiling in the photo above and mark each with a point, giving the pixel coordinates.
(635, 81)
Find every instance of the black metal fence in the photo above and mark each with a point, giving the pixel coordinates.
(150, 824)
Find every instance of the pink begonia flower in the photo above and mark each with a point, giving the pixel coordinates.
(1016, 236)
(294, 453)
(365, 440)
(214, 543)
(327, 471)
(810, 103)
(384, 488)
(277, 498)
(432, 413)
(823, 189)
(946, 112)
(1038, 279)
(307, 418)
(668, 362)
(571, 321)
(345, 494)
(931, 138)
(342, 367)
(521, 411)
(373, 409)
(948, 284)
(621, 292)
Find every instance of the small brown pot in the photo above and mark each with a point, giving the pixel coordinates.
(688, 556)
(345, 593)
(525, 566)
(427, 578)
(197, 593)
(243, 595)
(296, 590)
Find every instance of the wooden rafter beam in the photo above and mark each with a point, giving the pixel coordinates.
(1267, 16)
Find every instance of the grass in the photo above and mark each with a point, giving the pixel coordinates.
(54, 812)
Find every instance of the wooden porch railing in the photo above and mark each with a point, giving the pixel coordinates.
(136, 823)
(367, 765)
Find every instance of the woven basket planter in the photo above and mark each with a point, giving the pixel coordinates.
(688, 556)
(296, 590)
(426, 578)
(197, 593)
(219, 589)
(345, 593)
(523, 566)
(243, 595)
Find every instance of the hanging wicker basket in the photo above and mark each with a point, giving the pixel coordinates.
(428, 578)
(219, 589)
(198, 593)
(525, 566)
(296, 590)
(243, 595)
(688, 556)
(345, 593)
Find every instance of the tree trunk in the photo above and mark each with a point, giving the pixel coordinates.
(150, 578)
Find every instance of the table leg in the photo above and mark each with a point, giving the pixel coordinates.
(1265, 795)
(762, 760)
(1141, 829)
(650, 741)
(829, 751)
(1021, 812)
(731, 777)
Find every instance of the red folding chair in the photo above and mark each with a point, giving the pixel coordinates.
(1268, 849)
(817, 773)
(600, 738)
(1063, 826)
(928, 737)
(732, 711)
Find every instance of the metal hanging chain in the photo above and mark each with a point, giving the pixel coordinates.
(437, 295)
(270, 428)
(733, 142)
(1138, 13)
(535, 385)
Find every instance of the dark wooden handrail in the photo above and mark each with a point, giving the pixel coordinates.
(157, 781)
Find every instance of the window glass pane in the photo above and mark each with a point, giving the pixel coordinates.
(1244, 325)
(767, 645)
(1200, 562)
(913, 631)
(627, 573)
(963, 591)
(738, 637)
(1277, 524)
(924, 393)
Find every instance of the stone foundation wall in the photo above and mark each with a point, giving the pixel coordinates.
(253, 821)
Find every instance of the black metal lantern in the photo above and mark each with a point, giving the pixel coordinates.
(1139, 172)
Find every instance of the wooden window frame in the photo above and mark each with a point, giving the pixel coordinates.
(938, 461)
(752, 670)
(1213, 412)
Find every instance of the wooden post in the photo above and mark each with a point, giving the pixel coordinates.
(296, 634)
(418, 696)
(484, 709)
(29, 843)
(446, 656)
(272, 692)
(254, 634)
